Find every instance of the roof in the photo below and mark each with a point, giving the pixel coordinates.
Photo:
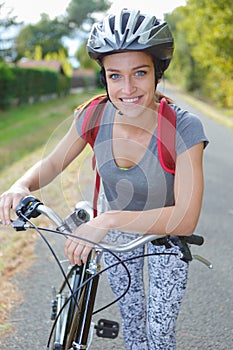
(83, 72)
(48, 64)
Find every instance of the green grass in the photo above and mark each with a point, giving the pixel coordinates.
(26, 128)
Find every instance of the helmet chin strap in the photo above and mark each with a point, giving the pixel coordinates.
(119, 112)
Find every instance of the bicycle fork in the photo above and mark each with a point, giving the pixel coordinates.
(88, 301)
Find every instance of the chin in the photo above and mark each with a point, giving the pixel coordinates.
(130, 110)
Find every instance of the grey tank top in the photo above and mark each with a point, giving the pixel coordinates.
(146, 185)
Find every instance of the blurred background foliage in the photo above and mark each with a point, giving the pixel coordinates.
(203, 59)
(202, 29)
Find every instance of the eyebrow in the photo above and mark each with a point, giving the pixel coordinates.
(134, 68)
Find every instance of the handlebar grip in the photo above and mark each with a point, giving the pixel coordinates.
(194, 239)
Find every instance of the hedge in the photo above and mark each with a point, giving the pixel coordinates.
(24, 85)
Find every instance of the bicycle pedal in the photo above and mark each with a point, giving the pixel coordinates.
(107, 329)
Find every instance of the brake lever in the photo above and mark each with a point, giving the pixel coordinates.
(27, 207)
(203, 261)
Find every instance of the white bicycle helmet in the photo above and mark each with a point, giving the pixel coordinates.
(131, 30)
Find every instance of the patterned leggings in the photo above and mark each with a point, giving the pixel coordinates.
(167, 282)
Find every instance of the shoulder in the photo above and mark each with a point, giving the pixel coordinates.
(96, 106)
(91, 116)
(187, 123)
(189, 128)
(184, 117)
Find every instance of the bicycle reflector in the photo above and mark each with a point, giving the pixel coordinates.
(107, 329)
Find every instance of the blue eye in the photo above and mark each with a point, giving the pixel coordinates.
(140, 73)
(114, 76)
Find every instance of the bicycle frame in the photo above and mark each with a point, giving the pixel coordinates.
(73, 305)
(85, 314)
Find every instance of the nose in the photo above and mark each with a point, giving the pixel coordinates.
(128, 86)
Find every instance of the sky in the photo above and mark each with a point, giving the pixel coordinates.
(30, 12)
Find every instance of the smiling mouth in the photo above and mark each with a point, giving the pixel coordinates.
(130, 100)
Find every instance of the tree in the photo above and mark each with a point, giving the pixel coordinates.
(38, 53)
(46, 33)
(49, 34)
(184, 69)
(211, 36)
(203, 32)
(7, 23)
(84, 59)
(83, 11)
(80, 15)
(61, 56)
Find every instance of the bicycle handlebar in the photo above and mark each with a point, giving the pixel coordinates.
(32, 207)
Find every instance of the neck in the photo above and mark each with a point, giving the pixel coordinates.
(145, 122)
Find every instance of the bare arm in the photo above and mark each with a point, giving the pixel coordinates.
(43, 172)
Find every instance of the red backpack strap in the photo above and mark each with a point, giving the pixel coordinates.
(90, 128)
(91, 122)
(96, 194)
(167, 136)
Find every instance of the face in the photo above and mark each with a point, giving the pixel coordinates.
(130, 79)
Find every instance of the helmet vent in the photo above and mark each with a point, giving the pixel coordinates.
(112, 24)
(139, 22)
(124, 22)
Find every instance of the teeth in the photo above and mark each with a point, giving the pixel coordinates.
(130, 100)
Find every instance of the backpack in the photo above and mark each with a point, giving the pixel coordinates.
(166, 135)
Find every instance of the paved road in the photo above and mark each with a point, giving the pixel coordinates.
(206, 318)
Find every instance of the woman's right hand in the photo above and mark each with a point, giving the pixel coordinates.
(9, 200)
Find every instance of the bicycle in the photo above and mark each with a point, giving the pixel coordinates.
(72, 306)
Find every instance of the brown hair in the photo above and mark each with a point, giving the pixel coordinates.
(159, 96)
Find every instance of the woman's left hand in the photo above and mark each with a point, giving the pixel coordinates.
(77, 249)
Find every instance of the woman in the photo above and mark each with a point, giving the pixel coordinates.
(133, 51)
